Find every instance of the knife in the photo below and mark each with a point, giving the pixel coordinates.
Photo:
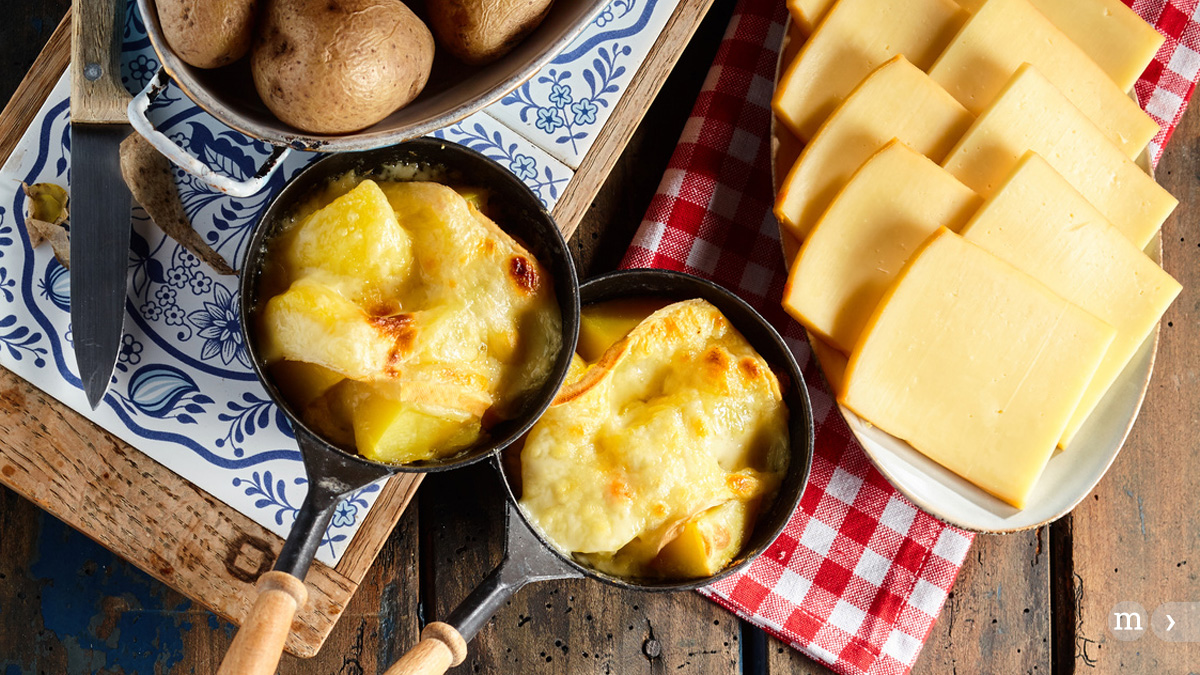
(100, 201)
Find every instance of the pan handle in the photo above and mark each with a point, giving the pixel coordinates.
(526, 559)
(227, 184)
(441, 647)
(281, 592)
(259, 642)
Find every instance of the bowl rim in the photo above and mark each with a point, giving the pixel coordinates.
(566, 283)
(289, 137)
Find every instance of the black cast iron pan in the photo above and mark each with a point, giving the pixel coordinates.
(529, 556)
(332, 472)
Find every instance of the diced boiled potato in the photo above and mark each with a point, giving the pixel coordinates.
(475, 196)
(576, 370)
(708, 542)
(386, 430)
(601, 325)
(302, 383)
(313, 323)
(329, 417)
(355, 243)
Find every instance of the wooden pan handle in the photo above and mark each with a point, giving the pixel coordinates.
(259, 642)
(440, 647)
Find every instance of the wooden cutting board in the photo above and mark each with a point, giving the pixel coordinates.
(161, 522)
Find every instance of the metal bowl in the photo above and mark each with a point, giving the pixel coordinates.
(453, 92)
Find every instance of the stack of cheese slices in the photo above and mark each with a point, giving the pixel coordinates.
(965, 223)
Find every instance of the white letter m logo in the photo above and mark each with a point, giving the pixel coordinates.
(1127, 621)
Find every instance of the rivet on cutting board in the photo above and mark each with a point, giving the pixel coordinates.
(92, 72)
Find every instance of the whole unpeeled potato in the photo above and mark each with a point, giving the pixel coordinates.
(336, 66)
(481, 31)
(208, 33)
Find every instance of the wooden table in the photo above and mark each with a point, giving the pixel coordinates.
(1035, 602)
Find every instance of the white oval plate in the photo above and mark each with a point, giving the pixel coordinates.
(1069, 475)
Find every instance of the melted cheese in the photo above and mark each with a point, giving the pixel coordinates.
(974, 364)
(1030, 114)
(408, 288)
(678, 417)
(896, 100)
(1002, 35)
(855, 38)
(1042, 226)
(887, 209)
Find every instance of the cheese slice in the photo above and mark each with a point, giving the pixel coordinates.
(887, 209)
(1042, 226)
(975, 364)
(1002, 35)
(1108, 31)
(1030, 114)
(833, 363)
(807, 13)
(853, 39)
(896, 100)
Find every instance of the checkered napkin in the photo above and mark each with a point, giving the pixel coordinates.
(859, 574)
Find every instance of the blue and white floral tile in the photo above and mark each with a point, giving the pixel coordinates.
(564, 106)
(544, 174)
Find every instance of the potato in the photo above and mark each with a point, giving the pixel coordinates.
(208, 33)
(481, 31)
(337, 66)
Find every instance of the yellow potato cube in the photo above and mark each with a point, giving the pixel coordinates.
(302, 383)
(475, 196)
(328, 416)
(709, 541)
(386, 430)
(576, 369)
(601, 325)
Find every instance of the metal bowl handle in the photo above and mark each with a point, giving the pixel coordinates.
(227, 184)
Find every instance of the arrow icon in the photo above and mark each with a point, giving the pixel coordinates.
(1170, 622)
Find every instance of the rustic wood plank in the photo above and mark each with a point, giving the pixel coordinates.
(628, 112)
(609, 223)
(156, 519)
(1134, 539)
(576, 626)
(51, 626)
(996, 620)
(31, 92)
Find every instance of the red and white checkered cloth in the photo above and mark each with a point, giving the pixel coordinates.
(859, 574)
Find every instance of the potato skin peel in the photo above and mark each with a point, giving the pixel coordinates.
(338, 66)
(480, 31)
(208, 33)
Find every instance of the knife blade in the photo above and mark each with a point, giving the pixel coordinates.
(100, 201)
